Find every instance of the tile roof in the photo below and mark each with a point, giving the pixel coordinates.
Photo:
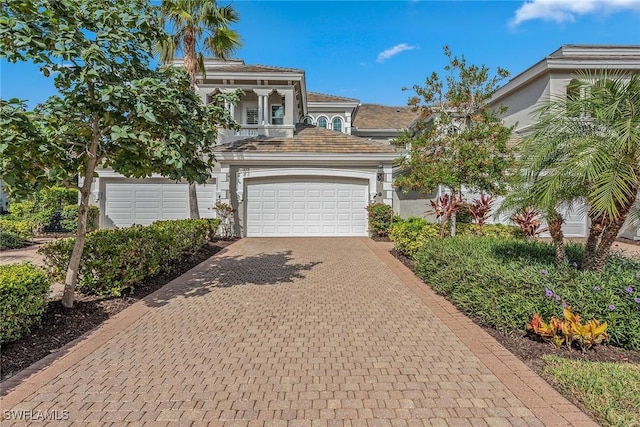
(251, 69)
(308, 139)
(374, 116)
(323, 97)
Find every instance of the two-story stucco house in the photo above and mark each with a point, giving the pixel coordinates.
(549, 78)
(295, 168)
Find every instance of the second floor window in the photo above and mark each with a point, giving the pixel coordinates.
(337, 124)
(322, 122)
(277, 114)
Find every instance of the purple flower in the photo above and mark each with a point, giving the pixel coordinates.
(558, 298)
(637, 299)
(629, 289)
(549, 293)
(596, 288)
(564, 305)
(543, 272)
(612, 307)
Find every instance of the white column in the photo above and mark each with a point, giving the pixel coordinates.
(387, 185)
(266, 115)
(288, 108)
(260, 110)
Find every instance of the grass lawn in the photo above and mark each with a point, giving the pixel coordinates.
(609, 391)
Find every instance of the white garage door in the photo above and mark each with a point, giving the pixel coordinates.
(306, 206)
(143, 202)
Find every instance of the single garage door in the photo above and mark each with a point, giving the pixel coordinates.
(306, 206)
(128, 202)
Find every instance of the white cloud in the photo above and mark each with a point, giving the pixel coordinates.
(392, 51)
(567, 10)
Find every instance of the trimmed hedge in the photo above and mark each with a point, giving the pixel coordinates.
(116, 260)
(23, 228)
(10, 240)
(23, 299)
(503, 282)
(411, 234)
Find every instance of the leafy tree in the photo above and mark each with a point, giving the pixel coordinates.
(112, 109)
(594, 141)
(458, 141)
(197, 26)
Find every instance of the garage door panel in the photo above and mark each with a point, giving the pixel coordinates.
(306, 206)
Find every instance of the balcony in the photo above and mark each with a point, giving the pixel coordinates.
(251, 131)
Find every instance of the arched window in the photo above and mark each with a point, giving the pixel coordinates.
(307, 120)
(322, 122)
(337, 124)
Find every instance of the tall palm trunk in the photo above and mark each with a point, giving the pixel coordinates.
(557, 236)
(191, 66)
(610, 234)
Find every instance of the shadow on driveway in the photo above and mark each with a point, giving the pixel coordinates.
(225, 272)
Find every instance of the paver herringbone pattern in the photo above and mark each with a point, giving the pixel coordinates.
(285, 332)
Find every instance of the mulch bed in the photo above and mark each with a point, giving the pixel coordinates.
(61, 326)
(530, 350)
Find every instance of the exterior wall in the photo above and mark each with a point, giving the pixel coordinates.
(521, 104)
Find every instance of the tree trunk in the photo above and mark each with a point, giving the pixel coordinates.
(595, 231)
(194, 212)
(453, 223)
(191, 67)
(73, 269)
(602, 253)
(610, 234)
(555, 229)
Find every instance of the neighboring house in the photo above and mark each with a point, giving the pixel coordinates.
(550, 77)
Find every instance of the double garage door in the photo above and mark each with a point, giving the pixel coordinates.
(306, 206)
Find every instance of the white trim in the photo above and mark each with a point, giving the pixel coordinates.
(343, 173)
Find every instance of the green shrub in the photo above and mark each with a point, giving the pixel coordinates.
(41, 207)
(69, 218)
(380, 217)
(23, 299)
(409, 235)
(116, 260)
(503, 282)
(23, 228)
(9, 240)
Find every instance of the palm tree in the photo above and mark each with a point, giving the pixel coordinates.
(588, 147)
(197, 26)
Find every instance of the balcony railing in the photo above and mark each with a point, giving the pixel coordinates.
(250, 131)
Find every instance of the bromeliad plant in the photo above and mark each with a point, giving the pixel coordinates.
(529, 222)
(480, 209)
(569, 330)
(444, 208)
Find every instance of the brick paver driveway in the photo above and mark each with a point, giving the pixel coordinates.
(318, 331)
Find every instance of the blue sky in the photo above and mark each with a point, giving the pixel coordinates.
(370, 50)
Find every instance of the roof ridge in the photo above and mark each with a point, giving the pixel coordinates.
(310, 92)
